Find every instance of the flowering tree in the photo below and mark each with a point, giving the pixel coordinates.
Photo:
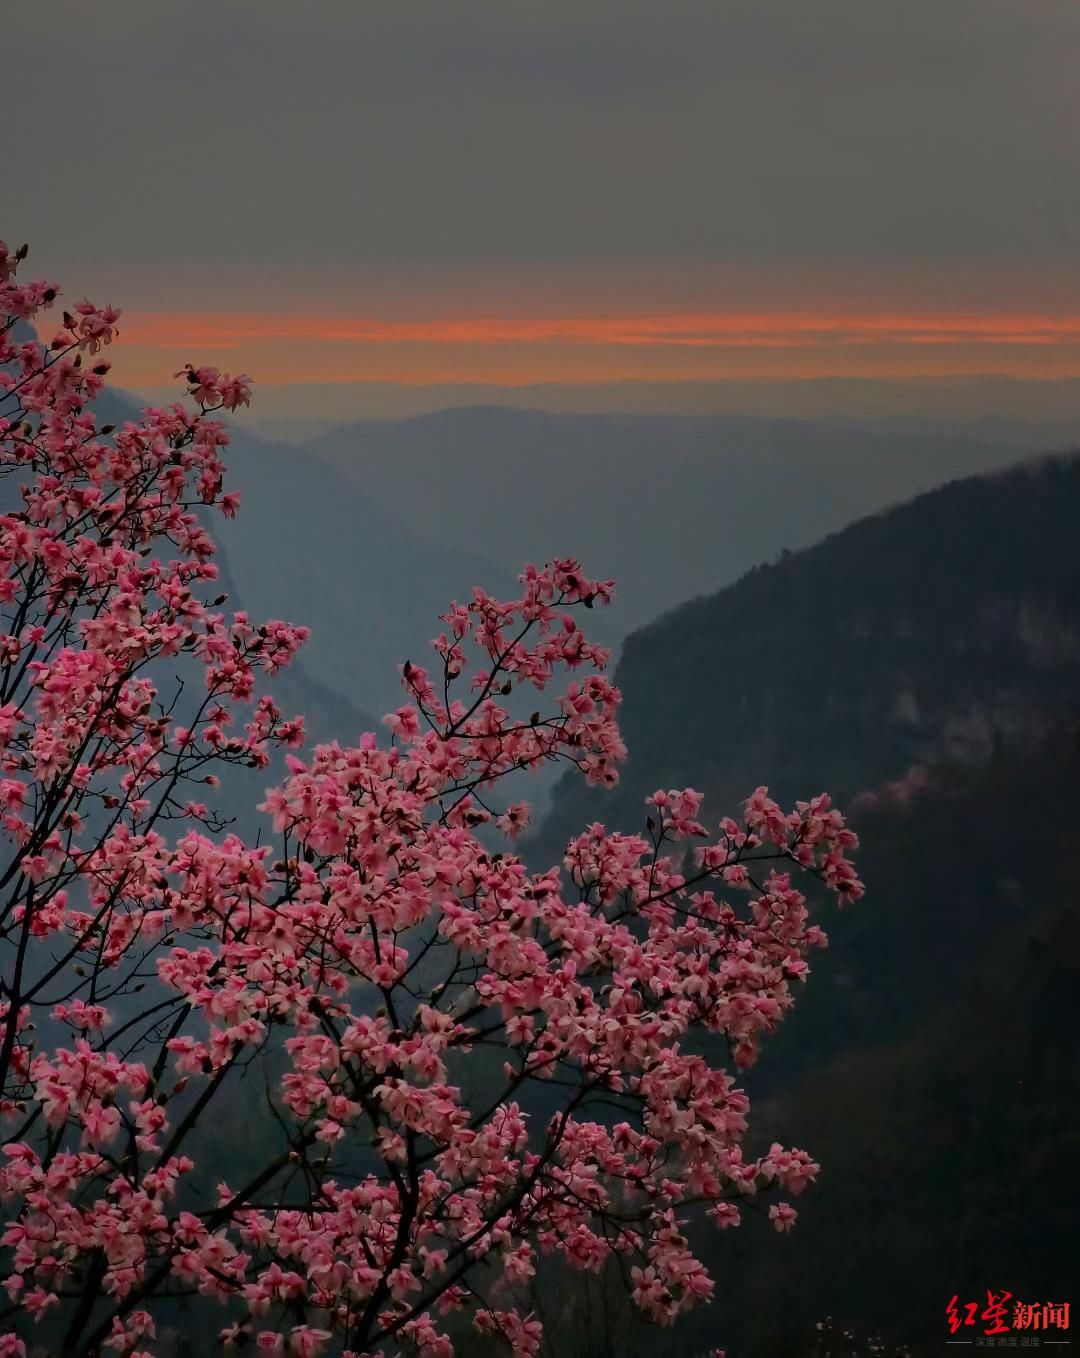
(406, 985)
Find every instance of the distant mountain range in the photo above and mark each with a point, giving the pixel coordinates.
(671, 507)
(1037, 411)
(366, 533)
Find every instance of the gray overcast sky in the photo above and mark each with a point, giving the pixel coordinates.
(257, 153)
(453, 131)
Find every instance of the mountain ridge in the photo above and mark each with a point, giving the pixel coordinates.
(670, 506)
(843, 665)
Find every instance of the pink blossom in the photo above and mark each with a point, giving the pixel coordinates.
(371, 945)
(782, 1216)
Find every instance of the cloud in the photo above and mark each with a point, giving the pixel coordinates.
(311, 347)
(691, 330)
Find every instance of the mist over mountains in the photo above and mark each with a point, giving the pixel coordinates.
(1036, 412)
(310, 546)
(367, 532)
(671, 506)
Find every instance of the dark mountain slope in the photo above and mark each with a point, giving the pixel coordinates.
(931, 1064)
(948, 1120)
(941, 1096)
(933, 629)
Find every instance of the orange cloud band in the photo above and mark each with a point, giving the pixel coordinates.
(708, 330)
(287, 348)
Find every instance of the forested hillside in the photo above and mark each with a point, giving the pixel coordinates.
(936, 628)
(931, 1066)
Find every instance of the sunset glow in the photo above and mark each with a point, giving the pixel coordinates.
(285, 348)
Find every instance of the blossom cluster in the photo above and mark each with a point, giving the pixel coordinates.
(415, 995)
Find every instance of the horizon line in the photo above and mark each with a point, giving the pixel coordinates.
(587, 384)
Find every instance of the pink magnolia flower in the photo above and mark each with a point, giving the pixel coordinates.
(782, 1216)
(380, 964)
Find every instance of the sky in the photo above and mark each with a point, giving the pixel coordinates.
(501, 193)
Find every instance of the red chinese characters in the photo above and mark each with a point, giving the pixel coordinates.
(999, 1317)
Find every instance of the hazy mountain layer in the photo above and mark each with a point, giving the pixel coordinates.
(671, 507)
(308, 545)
